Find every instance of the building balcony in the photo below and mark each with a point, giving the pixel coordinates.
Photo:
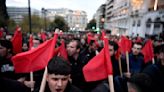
(120, 17)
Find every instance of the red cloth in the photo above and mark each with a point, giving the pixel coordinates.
(147, 51)
(43, 36)
(35, 59)
(31, 42)
(118, 53)
(100, 66)
(89, 38)
(102, 34)
(125, 44)
(138, 39)
(1, 32)
(62, 51)
(17, 41)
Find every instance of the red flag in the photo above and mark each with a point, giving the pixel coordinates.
(62, 51)
(35, 59)
(100, 66)
(90, 37)
(138, 39)
(43, 36)
(102, 34)
(147, 51)
(31, 42)
(1, 32)
(118, 53)
(17, 41)
(125, 44)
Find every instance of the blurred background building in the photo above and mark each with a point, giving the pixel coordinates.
(18, 13)
(134, 17)
(76, 19)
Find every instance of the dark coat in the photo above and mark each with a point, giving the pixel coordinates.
(69, 88)
(156, 73)
(8, 85)
(77, 74)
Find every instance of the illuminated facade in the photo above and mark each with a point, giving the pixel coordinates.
(76, 19)
(135, 17)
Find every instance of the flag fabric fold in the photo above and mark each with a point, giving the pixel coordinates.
(125, 44)
(62, 51)
(100, 66)
(1, 32)
(35, 59)
(17, 41)
(30, 42)
(43, 36)
(89, 38)
(147, 51)
(102, 34)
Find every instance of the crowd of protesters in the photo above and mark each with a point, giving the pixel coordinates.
(66, 74)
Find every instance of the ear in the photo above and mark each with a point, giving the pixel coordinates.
(8, 50)
(78, 50)
(69, 75)
(70, 78)
(47, 77)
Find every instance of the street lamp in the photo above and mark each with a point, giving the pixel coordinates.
(102, 22)
(44, 11)
(29, 16)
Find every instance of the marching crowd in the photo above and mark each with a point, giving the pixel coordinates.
(131, 71)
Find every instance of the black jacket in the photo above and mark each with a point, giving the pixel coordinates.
(69, 88)
(8, 85)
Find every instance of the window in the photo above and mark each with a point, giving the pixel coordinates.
(134, 23)
(156, 25)
(139, 23)
(149, 20)
(148, 25)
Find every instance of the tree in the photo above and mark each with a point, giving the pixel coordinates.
(60, 23)
(36, 21)
(11, 25)
(3, 14)
(91, 24)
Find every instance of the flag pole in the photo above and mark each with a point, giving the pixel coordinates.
(155, 5)
(110, 76)
(31, 79)
(127, 62)
(111, 84)
(153, 61)
(43, 83)
(120, 67)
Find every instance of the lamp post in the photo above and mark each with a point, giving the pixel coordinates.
(29, 16)
(44, 11)
(102, 22)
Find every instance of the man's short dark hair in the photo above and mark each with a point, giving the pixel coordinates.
(6, 43)
(114, 44)
(138, 43)
(58, 65)
(77, 41)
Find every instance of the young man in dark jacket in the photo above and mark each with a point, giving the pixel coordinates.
(59, 72)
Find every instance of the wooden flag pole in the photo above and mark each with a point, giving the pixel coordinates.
(127, 62)
(155, 5)
(120, 66)
(111, 84)
(43, 84)
(31, 79)
(153, 61)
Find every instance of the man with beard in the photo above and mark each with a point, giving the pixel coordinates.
(78, 58)
(136, 60)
